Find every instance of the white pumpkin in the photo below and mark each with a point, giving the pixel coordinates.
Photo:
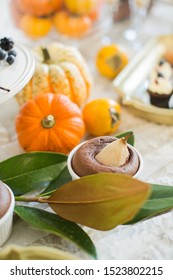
(59, 69)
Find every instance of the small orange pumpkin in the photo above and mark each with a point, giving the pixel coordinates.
(72, 25)
(39, 7)
(50, 123)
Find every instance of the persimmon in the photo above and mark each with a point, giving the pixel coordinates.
(35, 27)
(81, 7)
(110, 60)
(102, 116)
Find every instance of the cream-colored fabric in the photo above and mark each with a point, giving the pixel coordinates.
(152, 239)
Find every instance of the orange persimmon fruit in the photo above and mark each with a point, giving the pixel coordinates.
(81, 7)
(35, 27)
(102, 116)
(110, 60)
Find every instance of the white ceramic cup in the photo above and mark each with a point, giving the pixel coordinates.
(6, 222)
(75, 176)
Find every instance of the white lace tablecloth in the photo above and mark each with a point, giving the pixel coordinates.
(152, 239)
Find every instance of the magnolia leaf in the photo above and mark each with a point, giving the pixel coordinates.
(161, 200)
(31, 171)
(51, 223)
(101, 201)
(62, 178)
(130, 140)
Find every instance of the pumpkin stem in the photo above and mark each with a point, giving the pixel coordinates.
(48, 121)
(46, 54)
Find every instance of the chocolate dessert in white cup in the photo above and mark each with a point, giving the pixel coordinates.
(104, 154)
(7, 203)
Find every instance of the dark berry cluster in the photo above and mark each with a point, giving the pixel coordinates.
(6, 50)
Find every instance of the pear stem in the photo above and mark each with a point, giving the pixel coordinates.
(127, 136)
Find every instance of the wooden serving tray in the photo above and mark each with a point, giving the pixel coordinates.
(131, 83)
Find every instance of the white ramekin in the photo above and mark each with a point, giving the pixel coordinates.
(6, 222)
(75, 176)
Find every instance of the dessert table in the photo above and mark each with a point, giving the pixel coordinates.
(150, 239)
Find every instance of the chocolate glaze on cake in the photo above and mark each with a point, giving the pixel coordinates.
(5, 199)
(84, 162)
(160, 86)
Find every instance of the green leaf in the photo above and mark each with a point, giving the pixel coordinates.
(31, 171)
(130, 140)
(62, 178)
(161, 200)
(101, 201)
(51, 223)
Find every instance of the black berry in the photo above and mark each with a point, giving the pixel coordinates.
(2, 54)
(10, 59)
(12, 52)
(6, 43)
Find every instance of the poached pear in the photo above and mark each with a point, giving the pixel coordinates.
(114, 154)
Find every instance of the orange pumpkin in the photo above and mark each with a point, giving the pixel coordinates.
(39, 7)
(35, 27)
(50, 123)
(72, 25)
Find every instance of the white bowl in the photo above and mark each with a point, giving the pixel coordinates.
(75, 176)
(6, 221)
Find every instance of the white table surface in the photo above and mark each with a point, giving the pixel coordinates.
(152, 239)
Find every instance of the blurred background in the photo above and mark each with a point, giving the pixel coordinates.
(78, 22)
(88, 25)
